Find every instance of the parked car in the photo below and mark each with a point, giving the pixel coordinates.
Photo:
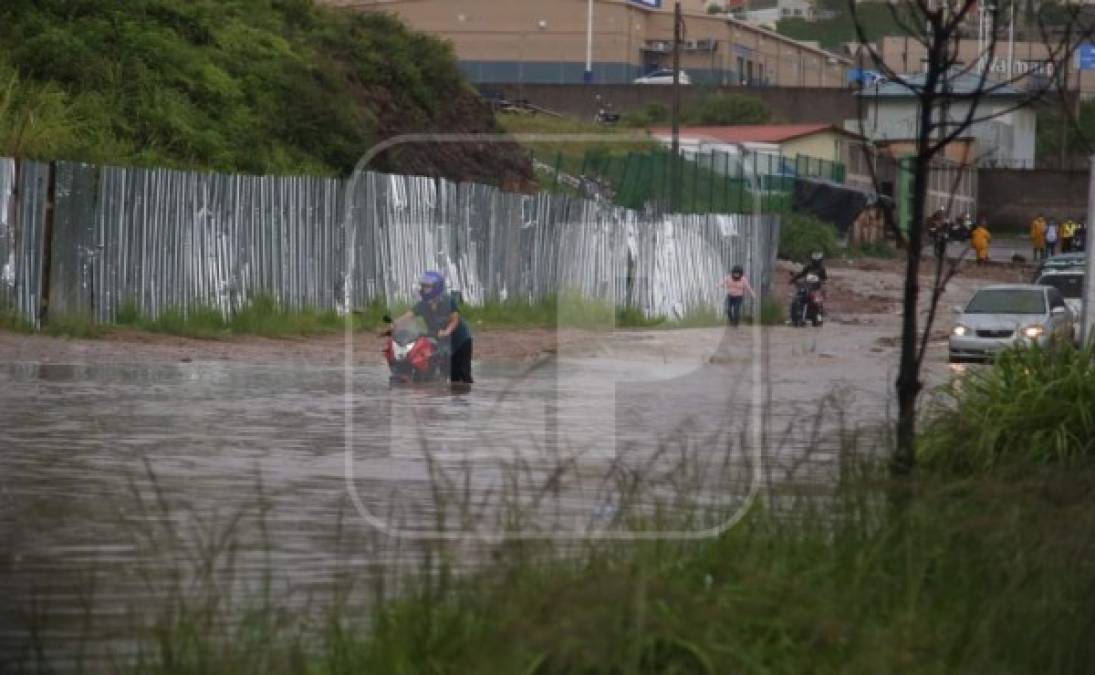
(1070, 282)
(1062, 261)
(1004, 316)
(664, 76)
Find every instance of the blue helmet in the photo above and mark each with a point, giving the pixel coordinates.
(431, 285)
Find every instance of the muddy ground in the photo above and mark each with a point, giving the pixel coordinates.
(865, 293)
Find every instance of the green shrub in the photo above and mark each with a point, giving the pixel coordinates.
(723, 109)
(197, 322)
(772, 312)
(1033, 406)
(10, 320)
(255, 86)
(651, 114)
(128, 314)
(73, 325)
(630, 317)
(800, 235)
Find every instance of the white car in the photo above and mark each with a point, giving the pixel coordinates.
(664, 76)
(1004, 316)
(1069, 281)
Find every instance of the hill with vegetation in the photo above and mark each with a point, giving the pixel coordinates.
(876, 18)
(254, 86)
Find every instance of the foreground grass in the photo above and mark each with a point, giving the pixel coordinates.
(1034, 407)
(976, 577)
(969, 576)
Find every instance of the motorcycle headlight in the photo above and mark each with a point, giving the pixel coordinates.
(960, 330)
(1033, 331)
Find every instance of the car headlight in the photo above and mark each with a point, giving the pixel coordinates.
(960, 330)
(1033, 331)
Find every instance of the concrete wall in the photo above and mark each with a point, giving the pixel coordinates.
(791, 105)
(1013, 197)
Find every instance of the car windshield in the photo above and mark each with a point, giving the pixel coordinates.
(1007, 302)
(1070, 285)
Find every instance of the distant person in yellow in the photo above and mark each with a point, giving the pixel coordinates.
(1038, 236)
(1068, 231)
(980, 240)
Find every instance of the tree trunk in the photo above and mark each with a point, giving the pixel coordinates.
(908, 376)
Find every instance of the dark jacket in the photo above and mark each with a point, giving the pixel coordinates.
(815, 266)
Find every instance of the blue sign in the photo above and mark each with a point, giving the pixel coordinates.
(1085, 54)
(652, 4)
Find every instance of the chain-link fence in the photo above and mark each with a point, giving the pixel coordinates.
(713, 181)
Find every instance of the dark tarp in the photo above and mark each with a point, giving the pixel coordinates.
(832, 202)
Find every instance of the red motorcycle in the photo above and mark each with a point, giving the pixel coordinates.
(412, 355)
(808, 302)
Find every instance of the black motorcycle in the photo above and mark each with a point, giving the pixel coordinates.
(808, 302)
(958, 231)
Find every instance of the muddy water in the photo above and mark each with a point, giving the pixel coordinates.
(117, 482)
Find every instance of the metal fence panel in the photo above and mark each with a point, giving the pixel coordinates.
(24, 198)
(160, 239)
(8, 265)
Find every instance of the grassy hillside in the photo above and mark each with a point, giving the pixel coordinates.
(877, 18)
(258, 86)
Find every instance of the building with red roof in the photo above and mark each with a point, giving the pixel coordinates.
(820, 140)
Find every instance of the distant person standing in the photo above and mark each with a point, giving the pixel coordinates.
(1038, 236)
(1051, 237)
(1068, 231)
(737, 285)
(937, 232)
(980, 240)
(1080, 240)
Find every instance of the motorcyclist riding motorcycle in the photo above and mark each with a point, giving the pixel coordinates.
(808, 302)
(815, 266)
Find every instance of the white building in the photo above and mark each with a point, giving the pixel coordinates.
(1003, 129)
(783, 9)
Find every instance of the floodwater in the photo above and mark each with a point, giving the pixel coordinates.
(113, 478)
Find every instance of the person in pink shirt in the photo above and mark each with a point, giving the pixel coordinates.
(737, 285)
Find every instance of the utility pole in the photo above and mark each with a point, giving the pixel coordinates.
(588, 76)
(674, 188)
(1087, 311)
(1011, 43)
(1064, 119)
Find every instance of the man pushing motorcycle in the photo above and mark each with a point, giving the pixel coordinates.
(438, 309)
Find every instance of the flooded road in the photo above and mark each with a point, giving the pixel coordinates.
(120, 483)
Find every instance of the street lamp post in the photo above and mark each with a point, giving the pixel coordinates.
(588, 76)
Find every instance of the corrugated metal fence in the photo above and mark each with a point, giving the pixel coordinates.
(163, 238)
